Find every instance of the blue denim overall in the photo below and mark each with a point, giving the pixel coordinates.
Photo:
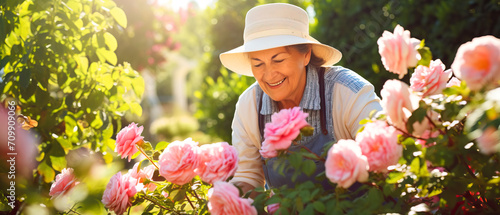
(273, 178)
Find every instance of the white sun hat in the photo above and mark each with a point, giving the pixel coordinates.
(275, 25)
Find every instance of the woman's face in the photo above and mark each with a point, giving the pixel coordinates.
(281, 73)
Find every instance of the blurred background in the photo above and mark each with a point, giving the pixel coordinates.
(85, 69)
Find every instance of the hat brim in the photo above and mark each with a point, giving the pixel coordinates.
(237, 60)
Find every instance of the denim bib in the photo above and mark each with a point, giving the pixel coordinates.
(275, 179)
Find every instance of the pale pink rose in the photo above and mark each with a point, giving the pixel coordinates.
(478, 62)
(379, 143)
(223, 198)
(398, 51)
(218, 161)
(143, 175)
(488, 142)
(272, 208)
(64, 182)
(345, 164)
(118, 192)
(398, 102)
(430, 80)
(179, 160)
(284, 128)
(453, 82)
(126, 140)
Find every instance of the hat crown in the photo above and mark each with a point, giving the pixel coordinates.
(276, 19)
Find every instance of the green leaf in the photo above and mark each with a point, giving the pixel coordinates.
(46, 172)
(107, 55)
(161, 145)
(394, 177)
(58, 163)
(110, 41)
(426, 56)
(135, 108)
(417, 116)
(25, 78)
(415, 166)
(309, 167)
(319, 206)
(119, 16)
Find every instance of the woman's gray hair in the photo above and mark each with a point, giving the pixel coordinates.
(304, 48)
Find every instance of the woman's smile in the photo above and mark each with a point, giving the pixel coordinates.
(277, 83)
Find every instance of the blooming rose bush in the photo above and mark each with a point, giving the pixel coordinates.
(64, 182)
(434, 149)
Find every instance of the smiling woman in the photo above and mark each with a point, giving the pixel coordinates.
(292, 69)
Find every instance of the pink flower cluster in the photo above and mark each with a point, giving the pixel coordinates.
(375, 149)
(64, 182)
(127, 139)
(118, 192)
(282, 130)
(398, 51)
(181, 161)
(224, 199)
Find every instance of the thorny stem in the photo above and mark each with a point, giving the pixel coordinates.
(144, 153)
(434, 125)
(195, 194)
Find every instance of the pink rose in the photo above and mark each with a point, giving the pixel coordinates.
(283, 129)
(430, 80)
(478, 62)
(398, 51)
(218, 161)
(143, 174)
(488, 141)
(453, 82)
(379, 143)
(398, 102)
(224, 199)
(179, 160)
(345, 164)
(268, 151)
(118, 192)
(64, 182)
(126, 140)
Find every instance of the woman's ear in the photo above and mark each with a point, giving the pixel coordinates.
(307, 56)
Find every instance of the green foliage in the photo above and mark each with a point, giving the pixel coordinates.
(59, 64)
(217, 102)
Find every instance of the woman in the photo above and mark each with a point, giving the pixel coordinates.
(292, 69)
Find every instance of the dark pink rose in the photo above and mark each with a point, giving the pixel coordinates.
(283, 129)
(218, 161)
(64, 182)
(179, 160)
(379, 143)
(478, 62)
(118, 192)
(127, 139)
(223, 199)
(345, 164)
(430, 80)
(398, 51)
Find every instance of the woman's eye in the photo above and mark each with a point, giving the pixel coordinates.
(258, 65)
(279, 61)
